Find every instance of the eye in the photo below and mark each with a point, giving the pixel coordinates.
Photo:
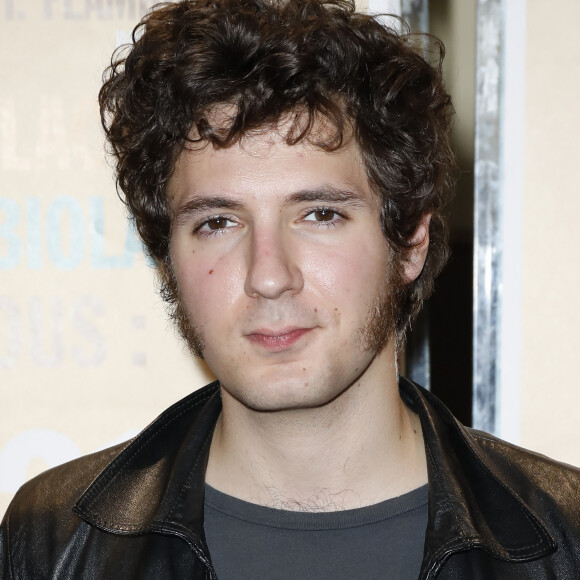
(215, 225)
(218, 223)
(322, 215)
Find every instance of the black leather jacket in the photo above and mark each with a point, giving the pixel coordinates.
(495, 511)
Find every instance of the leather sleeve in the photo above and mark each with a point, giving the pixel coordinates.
(5, 572)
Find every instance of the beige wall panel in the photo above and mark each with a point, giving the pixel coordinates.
(87, 356)
(551, 275)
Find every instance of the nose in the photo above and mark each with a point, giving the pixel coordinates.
(272, 270)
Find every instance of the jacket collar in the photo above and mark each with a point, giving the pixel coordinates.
(470, 504)
(158, 481)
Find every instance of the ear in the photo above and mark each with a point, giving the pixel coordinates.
(417, 253)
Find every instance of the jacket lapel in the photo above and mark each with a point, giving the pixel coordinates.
(158, 479)
(469, 505)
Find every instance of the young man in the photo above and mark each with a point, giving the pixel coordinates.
(285, 163)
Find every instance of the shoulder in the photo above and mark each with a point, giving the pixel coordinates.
(46, 502)
(469, 454)
(56, 491)
(518, 460)
(546, 485)
(40, 518)
(492, 476)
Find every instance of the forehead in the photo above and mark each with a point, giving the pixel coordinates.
(263, 166)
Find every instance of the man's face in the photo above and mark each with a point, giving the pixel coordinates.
(282, 269)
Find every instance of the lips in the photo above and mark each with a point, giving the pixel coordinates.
(277, 340)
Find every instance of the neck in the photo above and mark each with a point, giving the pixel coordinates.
(363, 447)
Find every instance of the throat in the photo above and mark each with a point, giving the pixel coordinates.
(319, 464)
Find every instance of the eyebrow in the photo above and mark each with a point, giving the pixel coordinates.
(327, 194)
(323, 194)
(200, 204)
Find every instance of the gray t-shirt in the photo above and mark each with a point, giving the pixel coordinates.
(252, 542)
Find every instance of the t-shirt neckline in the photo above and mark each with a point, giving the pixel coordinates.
(301, 520)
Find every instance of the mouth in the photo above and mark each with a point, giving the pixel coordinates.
(277, 340)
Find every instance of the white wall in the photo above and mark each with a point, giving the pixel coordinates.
(551, 235)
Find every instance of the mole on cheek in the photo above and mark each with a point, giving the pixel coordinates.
(210, 272)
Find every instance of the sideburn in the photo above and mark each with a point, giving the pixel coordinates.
(383, 315)
(169, 291)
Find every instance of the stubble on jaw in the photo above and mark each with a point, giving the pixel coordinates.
(381, 318)
(169, 291)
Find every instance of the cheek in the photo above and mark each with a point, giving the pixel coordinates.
(207, 285)
(344, 271)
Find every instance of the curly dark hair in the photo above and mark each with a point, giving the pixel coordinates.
(273, 59)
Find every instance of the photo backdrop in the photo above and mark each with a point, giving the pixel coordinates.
(87, 357)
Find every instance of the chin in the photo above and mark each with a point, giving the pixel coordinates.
(285, 395)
